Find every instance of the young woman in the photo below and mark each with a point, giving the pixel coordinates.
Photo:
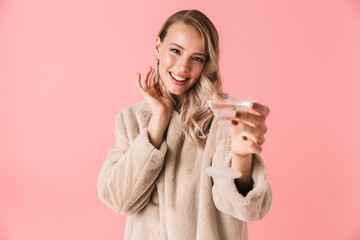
(155, 173)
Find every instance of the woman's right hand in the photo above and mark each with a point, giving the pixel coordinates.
(161, 106)
(159, 103)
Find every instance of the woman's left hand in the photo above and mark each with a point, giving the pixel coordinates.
(249, 130)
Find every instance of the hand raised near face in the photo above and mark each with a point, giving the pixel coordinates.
(249, 130)
(159, 103)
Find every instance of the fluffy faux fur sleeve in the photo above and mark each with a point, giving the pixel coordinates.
(255, 205)
(128, 175)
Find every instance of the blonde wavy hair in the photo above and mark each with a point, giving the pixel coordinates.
(195, 114)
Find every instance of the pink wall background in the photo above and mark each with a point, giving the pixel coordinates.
(68, 67)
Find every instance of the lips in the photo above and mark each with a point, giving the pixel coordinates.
(178, 79)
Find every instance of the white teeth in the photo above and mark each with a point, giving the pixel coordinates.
(178, 78)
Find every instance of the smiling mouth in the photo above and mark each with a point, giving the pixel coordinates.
(177, 78)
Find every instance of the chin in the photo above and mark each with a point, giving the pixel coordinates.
(176, 93)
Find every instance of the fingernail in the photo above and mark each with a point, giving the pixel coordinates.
(238, 114)
(255, 105)
(233, 122)
(245, 138)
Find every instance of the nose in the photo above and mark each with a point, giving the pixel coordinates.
(184, 64)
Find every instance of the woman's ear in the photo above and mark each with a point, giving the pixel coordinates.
(157, 47)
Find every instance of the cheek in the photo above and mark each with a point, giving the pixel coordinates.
(167, 61)
(197, 69)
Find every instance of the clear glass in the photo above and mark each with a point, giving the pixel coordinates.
(223, 107)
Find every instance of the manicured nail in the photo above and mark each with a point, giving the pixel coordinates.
(255, 105)
(238, 114)
(233, 122)
(245, 138)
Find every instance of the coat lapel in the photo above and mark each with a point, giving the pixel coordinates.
(206, 226)
(143, 114)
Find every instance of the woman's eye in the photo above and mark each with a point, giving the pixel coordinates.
(175, 51)
(198, 59)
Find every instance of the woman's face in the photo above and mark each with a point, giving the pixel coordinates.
(182, 58)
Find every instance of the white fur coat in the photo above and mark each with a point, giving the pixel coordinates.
(166, 193)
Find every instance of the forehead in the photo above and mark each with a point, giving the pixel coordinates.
(186, 36)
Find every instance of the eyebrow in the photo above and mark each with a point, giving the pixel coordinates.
(179, 46)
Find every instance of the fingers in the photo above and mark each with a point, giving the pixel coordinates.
(146, 85)
(152, 83)
(261, 109)
(254, 147)
(138, 77)
(249, 129)
(254, 133)
(255, 120)
(144, 81)
(251, 125)
(149, 79)
(138, 83)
